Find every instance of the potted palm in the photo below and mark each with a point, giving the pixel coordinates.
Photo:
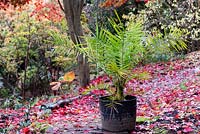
(116, 54)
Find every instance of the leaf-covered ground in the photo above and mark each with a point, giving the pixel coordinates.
(168, 102)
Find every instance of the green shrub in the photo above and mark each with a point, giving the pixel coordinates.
(162, 47)
(33, 53)
(4, 92)
(164, 37)
(163, 15)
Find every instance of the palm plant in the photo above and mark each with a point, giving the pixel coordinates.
(116, 53)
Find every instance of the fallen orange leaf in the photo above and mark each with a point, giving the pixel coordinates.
(69, 77)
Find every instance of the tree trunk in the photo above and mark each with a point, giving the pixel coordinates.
(73, 9)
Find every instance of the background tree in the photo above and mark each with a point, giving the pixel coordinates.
(73, 10)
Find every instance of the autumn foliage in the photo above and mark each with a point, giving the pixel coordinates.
(47, 10)
(118, 3)
(5, 3)
(113, 3)
(41, 9)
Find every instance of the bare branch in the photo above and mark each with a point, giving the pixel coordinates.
(61, 7)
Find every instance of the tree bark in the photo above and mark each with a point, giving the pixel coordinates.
(73, 10)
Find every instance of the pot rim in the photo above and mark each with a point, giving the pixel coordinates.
(129, 98)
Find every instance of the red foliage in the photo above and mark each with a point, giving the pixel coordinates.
(118, 3)
(26, 130)
(114, 3)
(47, 10)
(41, 9)
(145, 1)
(5, 3)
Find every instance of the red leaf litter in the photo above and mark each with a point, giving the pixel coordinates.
(169, 99)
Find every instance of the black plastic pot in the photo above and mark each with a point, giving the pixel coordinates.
(119, 116)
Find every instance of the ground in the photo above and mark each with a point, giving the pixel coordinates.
(168, 102)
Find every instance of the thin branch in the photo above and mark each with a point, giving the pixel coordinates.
(27, 57)
(61, 7)
(62, 103)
